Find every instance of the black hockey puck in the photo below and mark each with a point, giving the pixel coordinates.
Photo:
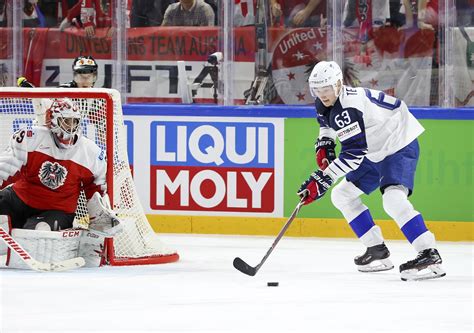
(272, 284)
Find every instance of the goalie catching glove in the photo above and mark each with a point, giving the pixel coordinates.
(325, 152)
(103, 219)
(314, 187)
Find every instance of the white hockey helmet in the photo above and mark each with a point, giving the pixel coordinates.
(64, 119)
(325, 73)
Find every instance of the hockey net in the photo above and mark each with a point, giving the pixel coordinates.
(103, 123)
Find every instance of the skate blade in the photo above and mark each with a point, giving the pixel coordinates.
(376, 266)
(427, 273)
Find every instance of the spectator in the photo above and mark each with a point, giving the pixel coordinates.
(55, 10)
(189, 13)
(465, 13)
(93, 14)
(30, 15)
(49, 8)
(299, 13)
(357, 14)
(428, 14)
(215, 7)
(401, 17)
(3, 13)
(68, 11)
(244, 12)
(148, 13)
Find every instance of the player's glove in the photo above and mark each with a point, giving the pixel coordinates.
(325, 153)
(315, 187)
(102, 219)
(24, 83)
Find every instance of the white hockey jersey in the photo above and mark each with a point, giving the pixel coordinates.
(369, 124)
(47, 177)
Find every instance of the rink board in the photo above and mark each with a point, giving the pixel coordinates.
(235, 170)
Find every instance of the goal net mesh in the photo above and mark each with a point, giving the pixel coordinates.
(102, 122)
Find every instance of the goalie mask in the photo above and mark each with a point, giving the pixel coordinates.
(85, 71)
(325, 75)
(64, 119)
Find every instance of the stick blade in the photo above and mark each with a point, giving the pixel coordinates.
(58, 266)
(245, 268)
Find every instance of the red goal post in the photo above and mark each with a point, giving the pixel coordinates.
(103, 123)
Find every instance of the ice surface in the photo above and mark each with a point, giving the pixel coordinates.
(319, 290)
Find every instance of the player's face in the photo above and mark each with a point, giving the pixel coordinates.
(84, 80)
(326, 95)
(187, 3)
(68, 125)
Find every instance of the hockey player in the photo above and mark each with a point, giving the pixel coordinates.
(379, 149)
(84, 69)
(48, 166)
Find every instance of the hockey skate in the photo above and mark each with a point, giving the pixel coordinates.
(375, 259)
(427, 265)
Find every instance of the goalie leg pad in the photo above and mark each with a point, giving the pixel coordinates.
(92, 249)
(45, 246)
(5, 224)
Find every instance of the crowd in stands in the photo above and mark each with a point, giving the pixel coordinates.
(91, 14)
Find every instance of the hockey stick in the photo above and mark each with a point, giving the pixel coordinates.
(249, 270)
(35, 264)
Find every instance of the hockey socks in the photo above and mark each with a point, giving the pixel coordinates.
(376, 257)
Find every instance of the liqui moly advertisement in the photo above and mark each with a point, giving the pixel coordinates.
(207, 165)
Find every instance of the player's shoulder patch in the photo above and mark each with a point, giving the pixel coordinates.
(349, 131)
(102, 155)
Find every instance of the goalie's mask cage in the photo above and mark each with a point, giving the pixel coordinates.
(102, 122)
(64, 119)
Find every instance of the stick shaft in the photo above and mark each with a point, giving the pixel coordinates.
(280, 235)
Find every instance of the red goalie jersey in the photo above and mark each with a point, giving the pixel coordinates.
(48, 177)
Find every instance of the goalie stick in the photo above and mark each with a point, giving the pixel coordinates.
(37, 265)
(249, 270)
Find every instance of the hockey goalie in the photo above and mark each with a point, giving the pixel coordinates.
(42, 173)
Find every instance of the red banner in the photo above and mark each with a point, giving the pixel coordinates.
(152, 73)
